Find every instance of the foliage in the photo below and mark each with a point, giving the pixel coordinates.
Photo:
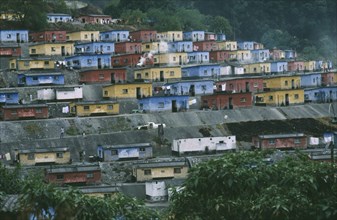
(244, 186)
(10, 181)
(219, 24)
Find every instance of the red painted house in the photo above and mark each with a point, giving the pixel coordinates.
(329, 78)
(210, 36)
(128, 47)
(281, 141)
(25, 111)
(219, 56)
(48, 36)
(95, 19)
(125, 60)
(13, 51)
(226, 100)
(117, 75)
(205, 46)
(296, 66)
(74, 175)
(143, 35)
(245, 84)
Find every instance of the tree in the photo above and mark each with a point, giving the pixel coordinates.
(10, 181)
(245, 186)
(219, 24)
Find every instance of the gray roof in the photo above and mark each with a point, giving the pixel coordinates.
(9, 203)
(267, 136)
(99, 189)
(72, 168)
(44, 73)
(161, 164)
(44, 150)
(24, 106)
(126, 145)
(95, 102)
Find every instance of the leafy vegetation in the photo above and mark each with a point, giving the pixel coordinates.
(245, 186)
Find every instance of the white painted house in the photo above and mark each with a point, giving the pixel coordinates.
(156, 191)
(204, 145)
(64, 93)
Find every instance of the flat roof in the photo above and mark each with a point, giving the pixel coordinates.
(268, 136)
(24, 106)
(44, 150)
(73, 168)
(161, 164)
(125, 146)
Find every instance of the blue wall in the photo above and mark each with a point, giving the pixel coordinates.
(95, 47)
(201, 71)
(190, 88)
(320, 95)
(89, 60)
(311, 80)
(9, 97)
(114, 36)
(41, 79)
(14, 35)
(164, 103)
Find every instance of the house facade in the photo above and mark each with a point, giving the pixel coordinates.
(198, 57)
(170, 36)
(26, 111)
(311, 80)
(282, 82)
(207, 45)
(164, 103)
(329, 78)
(69, 93)
(115, 75)
(52, 49)
(226, 100)
(201, 71)
(14, 36)
(296, 66)
(129, 60)
(257, 68)
(243, 56)
(276, 54)
(227, 45)
(190, 88)
(31, 63)
(280, 97)
(240, 84)
(114, 36)
(180, 46)
(13, 51)
(95, 48)
(83, 36)
(170, 59)
(260, 55)
(278, 66)
(9, 97)
(220, 56)
(98, 61)
(40, 78)
(194, 36)
(128, 47)
(281, 141)
(48, 36)
(203, 145)
(309, 65)
(58, 17)
(95, 19)
(134, 151)
(43, 156)
(161, 74)
(320, 94)
(129, 90)
(93, 108)
(143, 35)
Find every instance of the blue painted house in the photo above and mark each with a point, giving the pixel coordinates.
(97, 61)
(278, 67)
(260, 55)
(136, 151)
(17, 36)
(114, 35)
(198, 57)
(58, 17)
(190, 88)
(95, 48)
(201, 71)
(311, 80)
(320, 95)
(180, 46)
(164, 103)
(289, 54)
(221, 37)
(9, 97)
(194, 36)
(40, 78)
(246, 45)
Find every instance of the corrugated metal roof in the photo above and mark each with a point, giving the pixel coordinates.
(44, 150)
(72, 168)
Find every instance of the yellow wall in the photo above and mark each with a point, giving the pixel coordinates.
(227, 45)
(150, 47)
(45, 157)
(295, 96)
(83, 36)
(127, 90)
(257, 68)
(94, 108)
(243, 55)
(153, 74)
(51, 49)
(173, 59)
(31, 64)
(309, 65)
(284, 82)
(168, 36)
(162, 172)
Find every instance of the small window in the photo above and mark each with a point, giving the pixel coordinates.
(255, 85)
(271, 141)
(86, 107)
(110, 107)
(177, 170)
(46, 62)
(106, 92)
(59, 177)
(297, 141)
(243, 100)
(147, 172)
(9, 36)
(85, 36)
(59, 155)
(33, 51)
(35, 78)
(114, 152)
(296, 96)
(26, 63)
(161, 105)
(13, 112)
(101, 76)
(53, 49)
(89, 61)
(38, 110)
(125, 91)
(31, 156)
(142, 149)
(90, 175)
(271, 98)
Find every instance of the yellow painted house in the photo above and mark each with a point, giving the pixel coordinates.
(130, 90)
(83, 36)
(243, 55)
(91, 108)
(99, 190)
(170, 36)
(309, 65)
(31, 63)
(161, 74)
(280, 97)
(171, 59)
(256, 68)
(59, 155)
(282, 82)
(151, 47)
(11, 16)
(50, 49)
(227, 45)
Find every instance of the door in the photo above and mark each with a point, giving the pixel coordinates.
(180, 60)
(247, 87)
(292, 84)
(63, 51)
(138, 93)
(99, 63)
(174, 106)
(18, 40)
(192, 90)
(161, 76)
(287, 99)
(230, 103)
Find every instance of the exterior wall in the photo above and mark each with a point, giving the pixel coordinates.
(311, 80)
(279, 67)
(36, 80)
(160, 173)
(156, 191)
(180, 46)
(46, 94)
(83, 36)
(280, 97)
(74, 93)
(309, 66)
(114, 36)
(205, 46)
(221, 56)
(203, 145)
(128, 47)
(227, 101)
(260, 55)
(95, 19)
(95, 48)
(257, 68)
(126, 60)
(28, 64)
(296, 66)
(329, 78)
(189, 88)
(10, 51)
(158, 73)
(88, 109)
(246, 45)
(240, 85)
(128, 90)
(170, 59)
(48, 36)
(103, 75)
(54, 18)
(282, 82)
(17, 36)
(50, 49)
(201, 71)
(194, 36)
(117, 153)
(321, 95)
(143, 35)
(276, 54)
(165, 103)
(98, 61)
(281, 142)
(243, 55)
(74, 177)
(170, 36)
(198, 57)
(227, 45)
(20, 112)
(9, 97)
(48, 157)
(209, 36)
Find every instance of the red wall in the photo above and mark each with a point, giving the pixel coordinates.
(10, 51)
(26, 112)
(144, 36)
(221, 100)
(47, 36)
(240, 85)
(75, 177)
(93, 76)
(281, 143)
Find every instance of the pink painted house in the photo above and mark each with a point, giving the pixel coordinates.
(251, 84)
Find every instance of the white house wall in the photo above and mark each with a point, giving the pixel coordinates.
(77, 93)
(46, 94)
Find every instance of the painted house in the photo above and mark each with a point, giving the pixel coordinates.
(290, 54)
(115, 75)
(210, 36)
(134, 151)
(260, 55)
(170, 59)
(207, 45)
(12, 51)
(40, 78)
(281, 141)
(43, 156)
(95, 19)
(227, 45)
(220, 56)
(282, 82)
(9, 96)
(170, 36)
(114, 35)
(257, 68)
(320, 94)
(101, 191)
(240, 84)
(180, 46)
(58, 17)
(296, 66)
(83, 36)
(246, 45)
(309, 65)
(48, 36)
(277, 54)
(156, 191)
(201, 71)
(95, 48)
(226, 100)
(164, 103)
(329, 78)
(243, 56)
(97, 61)
(26, 111)
(129, 90)
(194, 36)
(14, 36)
(280, 97)
(31, 63)
(161, 74)
(79, 174)
(311, 80)
(198, 57)
(93, 108)
(160, 170)
(203, 145)
(231, 69)
(155, 47)
(131, 60)
(52, 49)
(279, 66)
(128, 47)
(143, 35)
(190, 87)
(60, 94)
